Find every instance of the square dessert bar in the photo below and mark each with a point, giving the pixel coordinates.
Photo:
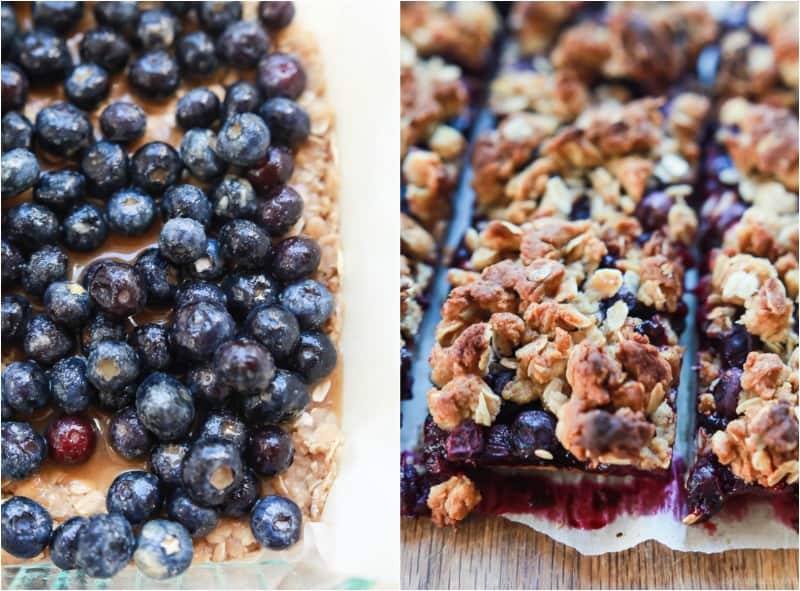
(436, 114)
(558, 344)
(748, 360)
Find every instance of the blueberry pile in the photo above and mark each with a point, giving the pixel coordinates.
(205, 395)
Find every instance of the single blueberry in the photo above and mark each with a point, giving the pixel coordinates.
(157, 29)
(215, 16)
(123, 122)
(280, 211)
(116, 288)
(17, 132)
(152, 343)
(131, 212)
(275, 328)
(288, 123)
(105, 167)
(314, 357)
(198, 329)
(281, 74)
(246, 291)
(164, 549)
(203, 384)
(182, 240)
(243, 140)
(128, 436)
(245, 244)
(105, 545)
(63, 130)
(241, 97)
(534, 435)
(20, 171)
(85, 228)
(59, 190)
(197, 108)
(69, 387)
(155, 167)
(224, 424)
(242, 43)
(196, 53)
(45, 341)
(26, 527)
(197, 519)
(154, 74)
(23, 450)
(198, 151)
(276, 522)
(275, 14)
(284, 400)
(87, 85)
(244, 364)
(64, 545)
(210, 265)
(46, 265)
(165, 406)
(270, 450)
(186, 201)
(211, 470)
(310, 302)
(16, 312)
(160, 276)
(43, 55)
(234, 197)
(68, 303)
(112, 365)
(135, 495)
(25, 387)
(295, 258)
(105, 47)
(166, 461)
(31, 226)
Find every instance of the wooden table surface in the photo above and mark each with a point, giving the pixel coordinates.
(491, 552)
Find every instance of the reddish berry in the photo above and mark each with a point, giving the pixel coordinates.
(71, 439)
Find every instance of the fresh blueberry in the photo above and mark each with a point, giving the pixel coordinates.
(242, 44)
(276, 15)
(240, 500)
(68, 303)
(13, 263)
(210, 265)
(203, 384)
(45, 341)
(197, 519)
(59, 16)
(182, 240)
(295, 258)
(122, 16)
(243, 140)
(85, 228)
(191, 292)
(20, 170)
(186, 201)
(155, 74)
(105, 545)
(135, 495)
(314, 357)
(46, 265)
(533, 435)
(43, 55)
(163, 550)
(241, 97)
(63, 130)
(131, 212)
(234, 197)
(14, 85)
(197, 108)
(123, 122)
(288, 123)
(165, 406)
(17, 131)
(270, 450)
(245, 244)
(211, 470)
(160, 276)
(23, 450)
(653, 210)
(25, 387)
(244, 364)
(112, 365)
(310, 302)
(196, 53)
(198, 151)
(105, 47)
(246, 291)
(276, 522)
(16, 311)
(31, 226)
(69, 387)
(274, 171)
(64, 545)
(283, 400)
(166, 461)
(59, 190)
(224, 425)
(117, 289)
(155, 167)
(26, 527)
(157, 29)
(275, 328)
(71, 439)
(198, 329)
(87, 85)
(128, 436)
(215, 16)
(105, 166)
(735, 346)
(151, 341)
(102, 328)
(281, 74)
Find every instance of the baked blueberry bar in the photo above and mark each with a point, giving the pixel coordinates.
(747, 437)
(170, 284)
